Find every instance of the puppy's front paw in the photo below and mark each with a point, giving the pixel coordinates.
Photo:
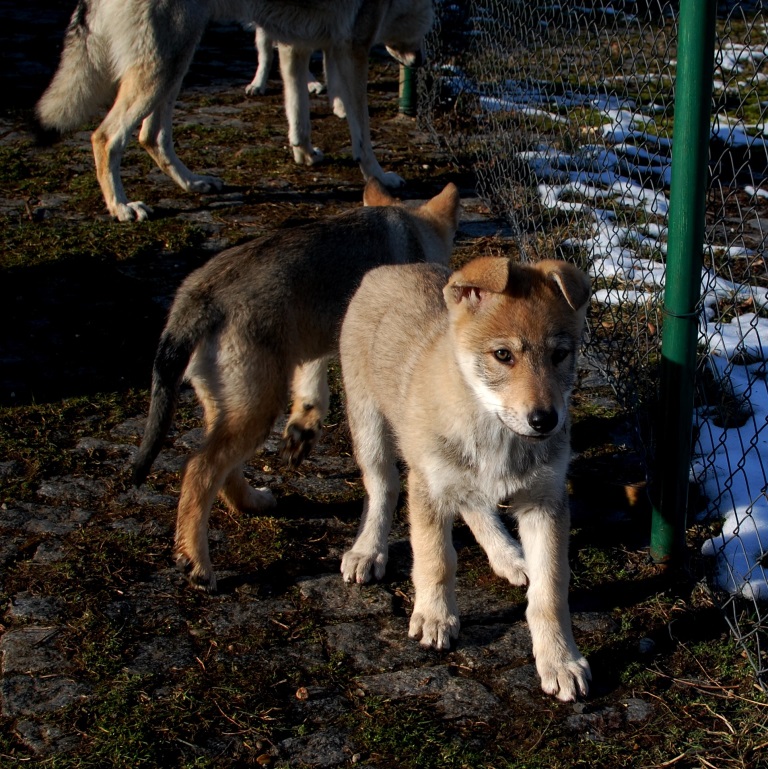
(435, 630)
(199, 577)
(361, 566)
(296, 443)
(567, 679)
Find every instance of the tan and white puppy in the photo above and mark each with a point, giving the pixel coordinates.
(468, 376)
(260, 320)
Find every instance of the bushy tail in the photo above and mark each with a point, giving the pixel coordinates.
(82, 82)
(174, 352)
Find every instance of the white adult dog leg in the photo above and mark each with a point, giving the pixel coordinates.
(544, 532)
(333, 91)
(504, 553)
(348, 79)
(294, 65)
(265, 50)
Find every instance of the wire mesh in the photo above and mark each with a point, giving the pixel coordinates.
(565, 112)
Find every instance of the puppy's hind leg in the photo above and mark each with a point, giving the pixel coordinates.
(203, 476)
(375, 453)
(233, 435)
(310, 405)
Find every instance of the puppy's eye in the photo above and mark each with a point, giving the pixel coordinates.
(503, 355)
(558, 356)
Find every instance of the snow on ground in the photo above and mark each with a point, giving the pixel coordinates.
(600, 180)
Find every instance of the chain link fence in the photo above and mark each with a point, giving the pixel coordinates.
(565, 111)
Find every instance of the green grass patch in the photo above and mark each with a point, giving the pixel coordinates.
(178, 725)
(414, 736)
(31, 243)
(38, 438)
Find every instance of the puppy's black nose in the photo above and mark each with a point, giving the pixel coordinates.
(543, 421)
(419, 59)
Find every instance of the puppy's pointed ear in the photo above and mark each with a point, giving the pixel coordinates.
(375, 194)
(478, 279)
(446, 205)
(573, 283)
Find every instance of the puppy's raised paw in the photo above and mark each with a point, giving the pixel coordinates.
(296, 444)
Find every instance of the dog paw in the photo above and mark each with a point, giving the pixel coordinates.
(296, 443)
(316, 87)
(339, 109)
(362, 567)
(392, 180)
(513, 569)
(136, 211)
(199, 577)
(303, 157)
(567, 679)
(507, 560)
(255, 89)
(204, 184)
(435, 631)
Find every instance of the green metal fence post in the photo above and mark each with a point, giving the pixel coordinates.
(690, 153)
(407, 91)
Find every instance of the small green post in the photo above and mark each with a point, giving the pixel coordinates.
(690, 155)
(407, 91)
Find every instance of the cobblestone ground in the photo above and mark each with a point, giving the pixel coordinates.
(481, 686)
